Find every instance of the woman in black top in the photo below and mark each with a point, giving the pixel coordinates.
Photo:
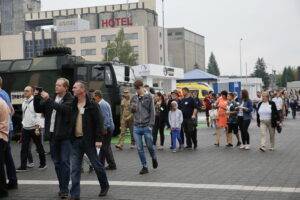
(160, 119)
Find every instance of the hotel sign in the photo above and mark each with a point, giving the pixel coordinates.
(108, 23)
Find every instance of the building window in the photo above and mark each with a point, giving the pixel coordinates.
(170, 34)
(161, 60)
(131, 36)
(160, 34)
(135, 49)
(160, 46)
(86, 52)
(178, 33)
(105, 38)
(73, 52)
(90, 39)
(48, 43)
(103, 51)
(29, 49)
(68, 40)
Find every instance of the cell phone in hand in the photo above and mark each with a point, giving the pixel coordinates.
(39, 89)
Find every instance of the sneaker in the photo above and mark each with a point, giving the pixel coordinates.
(181, 147)
(91, 169)
(118, 147)
(188, 148)
(20, 169)
(271, 149)
(160, 148)
(12, 186)
(132, 146)
(42, 167)
(229, 145)
(174, 150)
(217, 145)
(63, 195)
(242, 146)
(144, 170)
(247, 147)
(262, 149)
(154, 163)
(30, 165)
(238, 144)
(110, 168)
(103, 192)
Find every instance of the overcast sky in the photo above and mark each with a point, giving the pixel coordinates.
(269, 28)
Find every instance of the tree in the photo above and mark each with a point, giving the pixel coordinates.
(288, 74)
(260, 72)
(122, 49)
(212, 67)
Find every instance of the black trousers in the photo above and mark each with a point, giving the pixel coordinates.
(244, 125)
(26, 137)
(106, 152)
(3, 189)
(161, 128)
(190, 132)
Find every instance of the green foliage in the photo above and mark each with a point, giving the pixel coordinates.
(260, 72)
(288, 74)
(212, 67)
(121, 48)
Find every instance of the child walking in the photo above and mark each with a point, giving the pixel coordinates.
(175, 121)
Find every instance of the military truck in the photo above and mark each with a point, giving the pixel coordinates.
(110, 77)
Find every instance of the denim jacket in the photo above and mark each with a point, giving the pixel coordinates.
(249, 108)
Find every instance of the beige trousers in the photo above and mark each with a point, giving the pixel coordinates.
(266, 127)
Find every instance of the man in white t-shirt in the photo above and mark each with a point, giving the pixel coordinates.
(257, 99)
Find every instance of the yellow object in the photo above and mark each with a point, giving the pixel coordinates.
(199, 88)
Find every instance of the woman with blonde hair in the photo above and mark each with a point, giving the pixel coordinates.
(267, 120)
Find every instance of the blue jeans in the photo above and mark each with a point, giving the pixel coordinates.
(78, 149)
(61, 153)
(138, 133)
(176, 135)
(294, 113)
(10, 165)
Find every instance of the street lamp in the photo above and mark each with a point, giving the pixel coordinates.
(241, 57)
(163, 21)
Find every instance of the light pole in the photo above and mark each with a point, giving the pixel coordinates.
(241, 57)
(163, 21)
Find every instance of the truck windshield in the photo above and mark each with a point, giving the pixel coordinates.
(4, 66)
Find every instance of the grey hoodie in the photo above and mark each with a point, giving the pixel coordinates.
(175, 117)
(144, 113)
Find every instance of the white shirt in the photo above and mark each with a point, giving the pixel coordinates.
(265, 111)
(241, 112)
(278, 101)
(30, 118)
(57, 100)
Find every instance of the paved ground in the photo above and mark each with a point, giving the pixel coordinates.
(207, 173)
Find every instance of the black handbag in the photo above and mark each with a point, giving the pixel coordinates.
(279, 128)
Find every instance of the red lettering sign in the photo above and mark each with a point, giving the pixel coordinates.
(116, 22)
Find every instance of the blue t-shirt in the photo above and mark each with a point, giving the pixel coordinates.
(6, 98)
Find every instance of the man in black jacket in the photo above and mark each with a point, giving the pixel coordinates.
(57, 112)
(87, 128)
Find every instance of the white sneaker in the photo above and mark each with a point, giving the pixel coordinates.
(174, 150)
(242, 146)
(30, 165)
(247, 147)
(160, 148)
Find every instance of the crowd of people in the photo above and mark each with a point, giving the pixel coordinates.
(80, 127)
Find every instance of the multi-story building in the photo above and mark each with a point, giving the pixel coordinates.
(87, 31)
(186, 49)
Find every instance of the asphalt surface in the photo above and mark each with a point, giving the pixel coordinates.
(206, 173)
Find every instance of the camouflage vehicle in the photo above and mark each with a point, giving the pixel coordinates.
(110, 78)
